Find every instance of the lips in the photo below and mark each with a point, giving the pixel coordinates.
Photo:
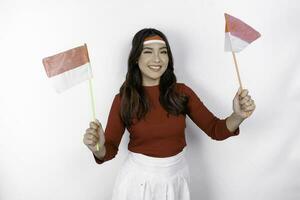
(155, 67)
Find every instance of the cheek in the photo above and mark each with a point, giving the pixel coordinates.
(144, 60)
(142, 65)
(166, 62)
(165, 59)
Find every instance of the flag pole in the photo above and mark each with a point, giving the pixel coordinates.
(236, 68)
(233, 54)
(236, 65)
(92, 96)
(234, 58)
(235, 62)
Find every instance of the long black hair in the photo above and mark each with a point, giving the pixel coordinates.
(134, 103)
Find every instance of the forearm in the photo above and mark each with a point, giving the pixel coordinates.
(101, 153)
(233, 122)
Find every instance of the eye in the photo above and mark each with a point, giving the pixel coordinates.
(147, 51)
(164, 52)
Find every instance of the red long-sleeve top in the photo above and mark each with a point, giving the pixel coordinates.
(159, 135)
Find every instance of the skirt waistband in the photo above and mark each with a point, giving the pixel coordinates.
(167, 166)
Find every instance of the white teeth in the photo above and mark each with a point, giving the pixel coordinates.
(155, 67)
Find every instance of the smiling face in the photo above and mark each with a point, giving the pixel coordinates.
(153, 62)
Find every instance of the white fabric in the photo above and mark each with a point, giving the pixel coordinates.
(154, 41)
(149, 178)
(237, 44)
(71, 77)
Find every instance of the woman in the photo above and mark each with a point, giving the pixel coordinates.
(153, 108)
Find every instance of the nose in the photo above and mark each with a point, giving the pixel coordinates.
(156, 58)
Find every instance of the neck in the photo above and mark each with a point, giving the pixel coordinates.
(151, 83)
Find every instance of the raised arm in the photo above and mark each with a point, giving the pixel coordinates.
(213, 126)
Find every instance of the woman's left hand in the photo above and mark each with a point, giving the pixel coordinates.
(243, 105)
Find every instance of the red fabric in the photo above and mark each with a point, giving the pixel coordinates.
(240, 29)
(159, 135)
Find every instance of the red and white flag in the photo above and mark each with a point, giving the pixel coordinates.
(238, 34)
(68, 68)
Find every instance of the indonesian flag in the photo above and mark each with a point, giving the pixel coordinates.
(238, 34)
(68, 68)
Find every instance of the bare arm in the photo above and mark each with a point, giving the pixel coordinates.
(101, 153)
(233, 122)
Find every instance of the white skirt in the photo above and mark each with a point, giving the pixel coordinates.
(150, 178)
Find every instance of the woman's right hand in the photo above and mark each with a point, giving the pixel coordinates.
(93, 135)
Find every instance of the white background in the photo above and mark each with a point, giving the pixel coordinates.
(42, 155)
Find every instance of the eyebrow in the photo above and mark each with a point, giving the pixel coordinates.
(152, 48)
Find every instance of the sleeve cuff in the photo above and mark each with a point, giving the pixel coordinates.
(236, 132)
(98, 160)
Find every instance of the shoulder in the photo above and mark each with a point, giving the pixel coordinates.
(116, 100)
(117, 96)
(184, 88)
